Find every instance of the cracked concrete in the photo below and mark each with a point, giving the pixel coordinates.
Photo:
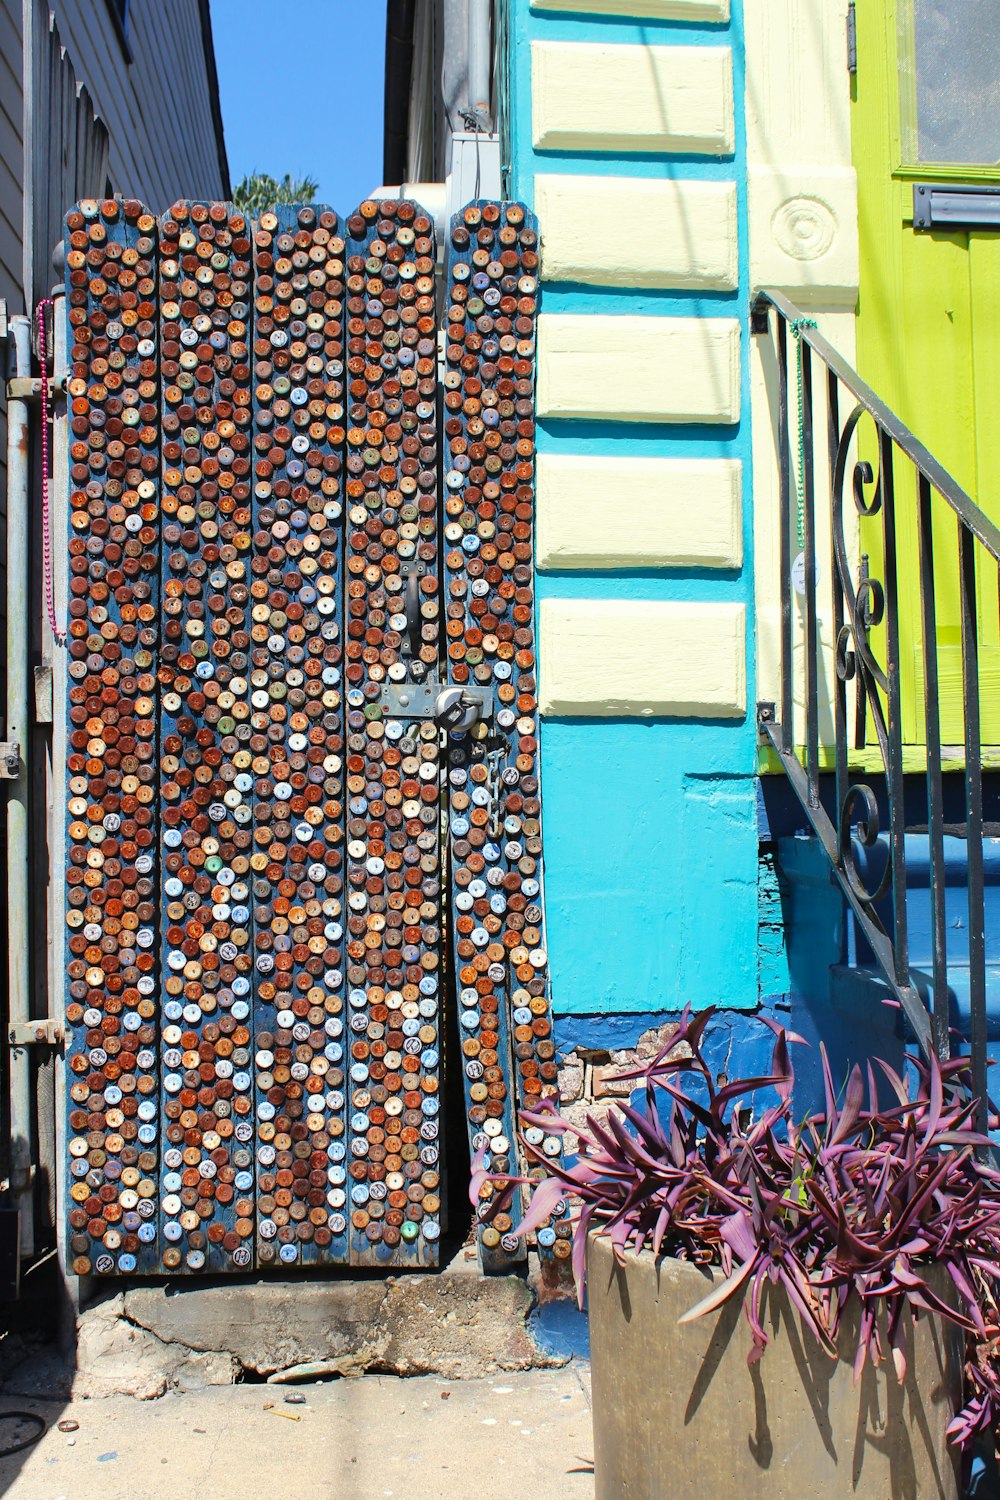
(148, 1340)
(114, 1356)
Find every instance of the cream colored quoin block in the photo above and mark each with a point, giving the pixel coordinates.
(650, 659)
(635, 369)
(597, 96)
(803, 233)
(660, 10)
(599, 512)
(680, 234)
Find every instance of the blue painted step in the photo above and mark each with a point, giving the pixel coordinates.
(838, 994)
(871, 864)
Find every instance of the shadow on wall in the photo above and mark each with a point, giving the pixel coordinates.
(830, 1001)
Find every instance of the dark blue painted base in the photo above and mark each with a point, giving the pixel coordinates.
(737, 1042)
(560, 1328)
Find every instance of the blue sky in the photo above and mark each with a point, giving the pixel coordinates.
(301, 84)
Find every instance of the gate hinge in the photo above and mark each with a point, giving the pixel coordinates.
(34, 1033)
(10, 760)
(852, 39)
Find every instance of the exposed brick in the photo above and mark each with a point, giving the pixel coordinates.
(577, 1114)
(656, 1039)
(571, 1079)
(606, 1083)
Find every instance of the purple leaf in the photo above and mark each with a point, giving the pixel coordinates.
(858, 1201)
(479, 1176)
(718, 1294)
(853, 1101)
(543, 1200)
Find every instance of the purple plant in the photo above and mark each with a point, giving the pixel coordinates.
(858, 1200)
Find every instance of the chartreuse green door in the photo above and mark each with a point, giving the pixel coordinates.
(926, 111)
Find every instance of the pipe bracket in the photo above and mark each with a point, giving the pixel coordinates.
(29, 387)
(45, 1033)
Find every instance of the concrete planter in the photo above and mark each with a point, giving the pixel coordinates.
(678, 1413)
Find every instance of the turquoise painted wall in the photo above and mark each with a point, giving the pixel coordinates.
(650, 826)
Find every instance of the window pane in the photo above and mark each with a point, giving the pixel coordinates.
(956, 74)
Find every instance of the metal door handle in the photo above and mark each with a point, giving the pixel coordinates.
(411, 608)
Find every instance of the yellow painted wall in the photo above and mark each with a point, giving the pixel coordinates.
(802, 211)
(680, 234)
(928, 314)
(642, 657)
(659, 10)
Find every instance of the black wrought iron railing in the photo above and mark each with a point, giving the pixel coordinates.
(876, 536)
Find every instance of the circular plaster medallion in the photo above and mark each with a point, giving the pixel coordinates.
(803, 227)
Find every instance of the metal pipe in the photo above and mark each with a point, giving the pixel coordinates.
(478, 83)
(57, 822)
(399, 25)
(19, 731)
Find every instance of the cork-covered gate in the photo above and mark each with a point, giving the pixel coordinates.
(303, 870)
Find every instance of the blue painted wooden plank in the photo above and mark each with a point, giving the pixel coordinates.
(207, 1182)
(298, 890)
(497, 901)
(113, 638)
(392, 636)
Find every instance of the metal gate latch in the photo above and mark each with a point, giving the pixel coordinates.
(10, 760)
(453, 708)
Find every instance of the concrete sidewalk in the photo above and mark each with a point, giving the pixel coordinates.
(374, 1438)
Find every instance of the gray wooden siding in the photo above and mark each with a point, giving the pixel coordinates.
(11, 153)
(157, 109)
(11, 212)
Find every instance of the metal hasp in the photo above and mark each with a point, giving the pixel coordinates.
(29, 387)
(947, 204)
(452, 707)
(10, 760)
